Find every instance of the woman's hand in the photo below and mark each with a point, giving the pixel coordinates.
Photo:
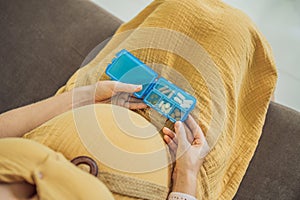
(189, 147)
(107, 89)
(108, 92)
(119, 94)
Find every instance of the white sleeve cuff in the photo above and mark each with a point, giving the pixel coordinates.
(180, 196)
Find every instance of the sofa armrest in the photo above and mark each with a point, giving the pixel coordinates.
(274, 172)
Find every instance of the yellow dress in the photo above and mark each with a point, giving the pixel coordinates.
(52, 174)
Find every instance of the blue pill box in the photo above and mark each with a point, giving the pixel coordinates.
(158, 93)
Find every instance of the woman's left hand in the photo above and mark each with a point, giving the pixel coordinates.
(189, 147)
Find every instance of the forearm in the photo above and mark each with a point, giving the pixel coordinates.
(17, 122)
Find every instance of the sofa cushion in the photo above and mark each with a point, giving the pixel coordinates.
(43, 43)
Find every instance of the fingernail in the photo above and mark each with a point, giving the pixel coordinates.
(138, 88)
(178, 124)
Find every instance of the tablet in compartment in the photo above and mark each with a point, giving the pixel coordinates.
(184, 100)
(176, 114)
(164, 106)
(152, 98)
(165, 87)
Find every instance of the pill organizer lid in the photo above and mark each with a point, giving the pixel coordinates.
(127, 68)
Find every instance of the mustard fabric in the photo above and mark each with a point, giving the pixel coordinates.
(231, 73)
(54, 176)
(116, 146)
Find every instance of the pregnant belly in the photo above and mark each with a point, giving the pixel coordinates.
(119, 140)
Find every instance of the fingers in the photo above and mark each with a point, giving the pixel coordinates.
(125, 87)
(132, 99)
(170, 142)
(107, 89)
(169, 139)
(134, 106)
(128, 101)
(183, 143)
(194, 127)
(189, 133)
(199, 138)
(178, 142)
(124, 96)
(171, 134)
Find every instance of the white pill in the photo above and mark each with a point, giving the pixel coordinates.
(185, 106)
(177, 113)
(166, 91)
(163, 88)
(180, 96)
(171, 94)
(190, 102)
(160, 104)
(167, 110)
(178, 100)
(167, 105)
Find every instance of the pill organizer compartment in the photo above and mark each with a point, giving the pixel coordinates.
(160, 94)
(164, 107)
(182, 101)
(165, 87)
(176, 114)
(152, 98)
(178, 102)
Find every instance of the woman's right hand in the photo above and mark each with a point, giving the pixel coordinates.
(188, 145)
(111, 92)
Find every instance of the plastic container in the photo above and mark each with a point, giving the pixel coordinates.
(158, 93)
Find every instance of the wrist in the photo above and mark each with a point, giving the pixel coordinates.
(185, 182)
(82, 96)
(185, 171)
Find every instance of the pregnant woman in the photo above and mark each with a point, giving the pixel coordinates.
(208, 49)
